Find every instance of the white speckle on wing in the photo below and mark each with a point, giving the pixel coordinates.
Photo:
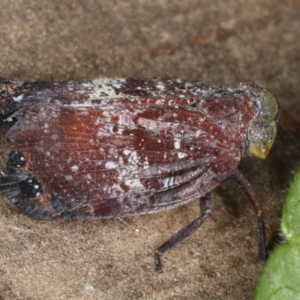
(121, 161)
(19, 98)
(126, 121)
(177, 144)
(146, 163)
(74, 168)
(160, 86)
(181, 154)
(126, 152)
(69, 177)
(134, 183)
(133, 158)
(197, 133)
(110, 165)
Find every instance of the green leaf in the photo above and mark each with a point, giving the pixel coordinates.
(280, 278)
(290, 224)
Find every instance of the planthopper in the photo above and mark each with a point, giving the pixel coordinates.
(113, 148)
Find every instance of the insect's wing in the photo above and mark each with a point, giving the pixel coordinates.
(88, 163)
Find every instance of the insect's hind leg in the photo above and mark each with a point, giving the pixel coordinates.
(206, 204)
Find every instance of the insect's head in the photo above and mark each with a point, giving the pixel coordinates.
(262, 130)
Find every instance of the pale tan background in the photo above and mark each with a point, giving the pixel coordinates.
(218, 42)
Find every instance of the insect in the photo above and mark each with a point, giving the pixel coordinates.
(112, 148)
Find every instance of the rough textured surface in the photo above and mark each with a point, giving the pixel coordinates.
(220, 43)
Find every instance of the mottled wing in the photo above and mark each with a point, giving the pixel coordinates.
(113, 161)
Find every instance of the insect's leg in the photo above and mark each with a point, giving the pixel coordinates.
(206, 203)
(248, 191)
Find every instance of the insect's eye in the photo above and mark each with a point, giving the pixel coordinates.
(261, 135)
(261, 131)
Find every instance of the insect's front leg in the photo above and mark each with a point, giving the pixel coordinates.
(253, 200)
(206, 203)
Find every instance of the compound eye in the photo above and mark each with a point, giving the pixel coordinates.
(261, 132)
